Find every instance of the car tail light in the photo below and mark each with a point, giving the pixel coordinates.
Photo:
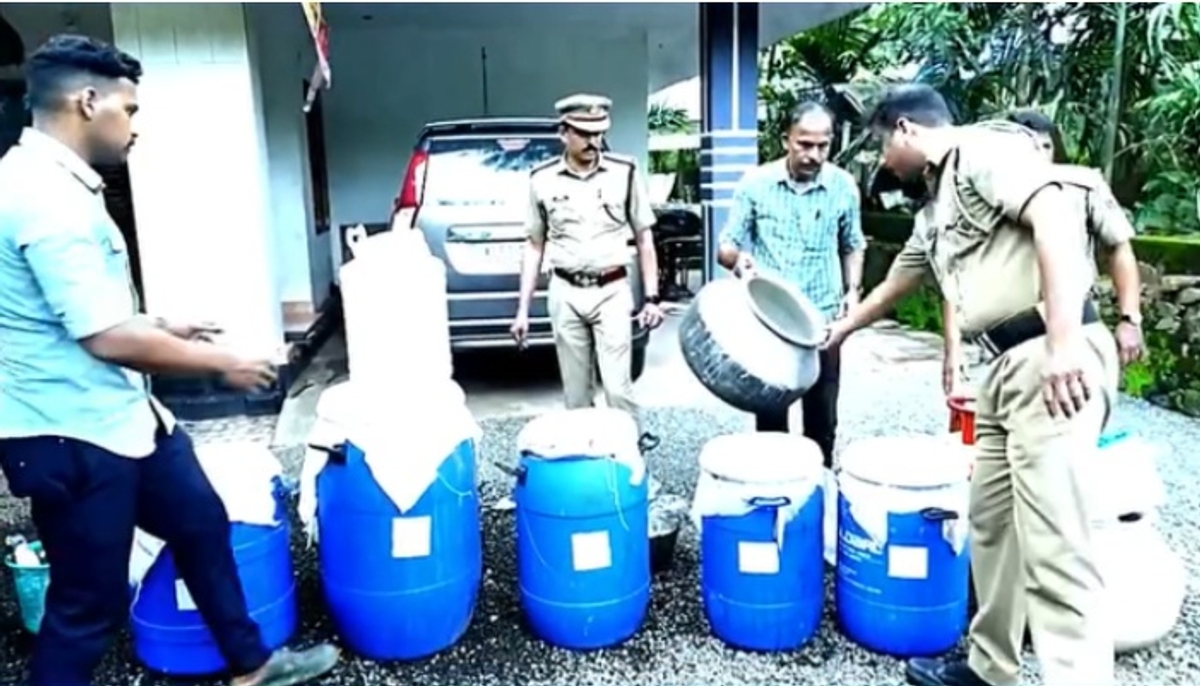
(408, 197)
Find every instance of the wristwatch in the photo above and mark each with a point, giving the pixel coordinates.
(654, 299)
(1133, 319)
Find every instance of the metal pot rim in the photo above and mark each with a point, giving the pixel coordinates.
(801, 302)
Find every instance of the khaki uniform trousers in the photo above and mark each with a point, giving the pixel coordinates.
(592, 328)
(1031, 522)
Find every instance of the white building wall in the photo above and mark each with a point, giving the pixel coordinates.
(199, 172)
(285, 57)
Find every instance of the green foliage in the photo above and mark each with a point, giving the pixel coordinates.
(921, 310)
(661, 119)
(685, 164)
(1061, 58)
(806, 66)
(1169, 254)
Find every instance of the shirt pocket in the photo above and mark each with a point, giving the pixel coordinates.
(613, 205)
(116, 255)
(561, 209)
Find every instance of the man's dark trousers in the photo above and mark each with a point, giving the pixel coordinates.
(819, 405)
(86, 503)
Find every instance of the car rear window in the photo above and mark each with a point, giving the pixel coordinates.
(488, 170)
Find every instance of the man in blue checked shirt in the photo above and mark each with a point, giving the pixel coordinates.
(798, 218)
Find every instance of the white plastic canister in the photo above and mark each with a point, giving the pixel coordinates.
(1145, 581)
(739, 472)
(388, 268)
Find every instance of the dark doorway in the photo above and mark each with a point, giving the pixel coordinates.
(118, 198)
(118, 193)
(13, 115)
(318, 169)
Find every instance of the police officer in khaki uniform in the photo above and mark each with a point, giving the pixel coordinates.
(583, 209)
(1108, 226)
(1009, 248)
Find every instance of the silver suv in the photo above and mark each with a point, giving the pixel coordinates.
(467, 189)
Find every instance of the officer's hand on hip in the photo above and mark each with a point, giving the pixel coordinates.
(651, 316)
(1129, 342)
(520, 329)
(1064, 387)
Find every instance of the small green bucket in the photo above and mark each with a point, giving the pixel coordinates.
(30, 584)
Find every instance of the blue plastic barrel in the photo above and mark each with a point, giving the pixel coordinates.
(170, 636)
(399, 586)
(583, 548)
(903, 562)
(761, 503)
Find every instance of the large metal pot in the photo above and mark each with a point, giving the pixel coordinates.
(753, 342)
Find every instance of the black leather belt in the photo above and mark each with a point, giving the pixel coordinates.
(585, 279)
(1026, 326)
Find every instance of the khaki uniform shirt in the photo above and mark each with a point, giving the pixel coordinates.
(585, 219)
(981, 254)
(1108, 224)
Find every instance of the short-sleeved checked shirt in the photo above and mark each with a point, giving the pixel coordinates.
(798, 233)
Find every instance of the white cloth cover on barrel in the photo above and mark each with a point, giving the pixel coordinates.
(738, 469)
(405, 438)
(590, 431)
(915, 472)
(831, 516)
(243, 475)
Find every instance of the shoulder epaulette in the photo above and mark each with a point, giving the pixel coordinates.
(543, 166)
(619, 159)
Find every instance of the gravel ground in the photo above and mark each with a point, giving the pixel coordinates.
(674, 647)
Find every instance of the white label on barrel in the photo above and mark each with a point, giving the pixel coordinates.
(183, 597)
(412, 537)
(907, 562)
(758, 558)
(590, 551)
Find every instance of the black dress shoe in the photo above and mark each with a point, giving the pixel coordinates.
(938, 672)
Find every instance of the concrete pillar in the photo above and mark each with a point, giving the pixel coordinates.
(729, 111)
(201, 189)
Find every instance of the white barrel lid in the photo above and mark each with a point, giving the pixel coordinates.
(762, 458)
(589, 431)
(348, 405)
(907, 461)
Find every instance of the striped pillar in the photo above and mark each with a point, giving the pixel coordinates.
(729, 111)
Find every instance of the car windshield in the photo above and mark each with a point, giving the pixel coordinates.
(485, 170)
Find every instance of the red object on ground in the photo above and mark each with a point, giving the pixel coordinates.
(962, 418)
